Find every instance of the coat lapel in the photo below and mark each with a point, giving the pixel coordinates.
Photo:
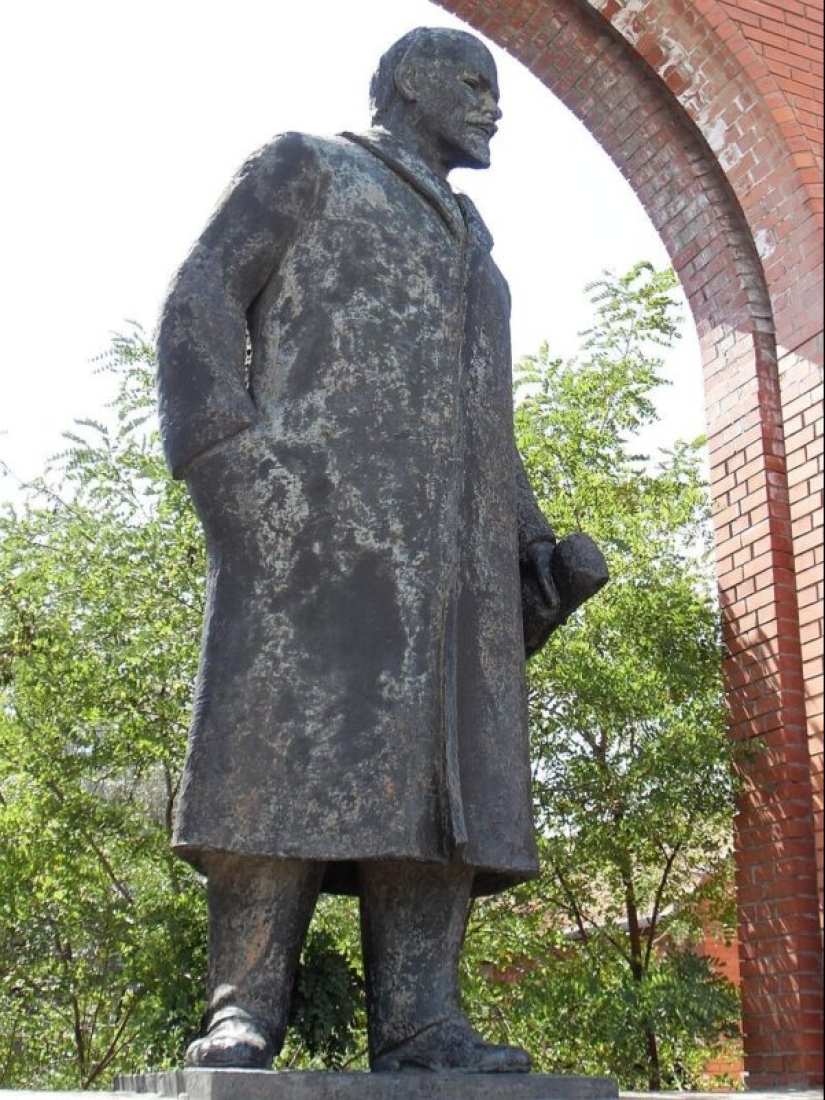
(411, 168)
(475, 224)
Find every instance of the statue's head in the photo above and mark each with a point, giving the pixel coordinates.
(439, 89)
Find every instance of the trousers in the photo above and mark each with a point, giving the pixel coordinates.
(413, 921)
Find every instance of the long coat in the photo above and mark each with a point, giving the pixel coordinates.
(361, 690)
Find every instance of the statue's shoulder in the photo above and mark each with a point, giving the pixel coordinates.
(293, 159)
(302, 149)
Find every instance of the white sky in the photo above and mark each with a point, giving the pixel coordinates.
(125, 119)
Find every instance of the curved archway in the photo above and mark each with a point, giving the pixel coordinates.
(697, 122)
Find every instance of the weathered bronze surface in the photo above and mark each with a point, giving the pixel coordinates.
(360, 721)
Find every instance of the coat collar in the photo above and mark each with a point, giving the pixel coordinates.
(457, 211)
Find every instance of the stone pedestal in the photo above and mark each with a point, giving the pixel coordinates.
(203, 1084)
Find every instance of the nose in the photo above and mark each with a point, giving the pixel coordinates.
(492, 108)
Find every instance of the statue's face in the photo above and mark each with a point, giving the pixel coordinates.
(455, 99)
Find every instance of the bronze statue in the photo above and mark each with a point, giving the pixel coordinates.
(360, 722)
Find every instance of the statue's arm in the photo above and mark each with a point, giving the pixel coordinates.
(536, 539)
(556, 577)
(532, 526)
(201, 345)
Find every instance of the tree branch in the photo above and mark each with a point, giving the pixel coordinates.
(574, 905)
(79, 1043)
(582, 919)
(112, 1049)
(120, 886)
(657, 901)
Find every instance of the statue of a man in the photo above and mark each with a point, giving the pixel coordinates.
(359, 721)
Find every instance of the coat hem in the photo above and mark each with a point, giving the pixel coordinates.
(341, 875)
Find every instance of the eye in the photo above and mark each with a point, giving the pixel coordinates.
(471, 82)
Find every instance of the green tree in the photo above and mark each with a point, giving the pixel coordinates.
(100, 574)
(634, 777)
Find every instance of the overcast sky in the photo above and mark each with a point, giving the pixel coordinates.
(124, 121)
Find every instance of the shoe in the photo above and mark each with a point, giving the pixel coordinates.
(233, 1043)
(451, 1045)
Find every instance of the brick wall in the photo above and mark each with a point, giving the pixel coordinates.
(788, 35)
(786, 40)
(712, 109)
(725, 956)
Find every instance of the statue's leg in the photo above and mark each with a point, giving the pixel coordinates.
(413, 919)
(259, 912)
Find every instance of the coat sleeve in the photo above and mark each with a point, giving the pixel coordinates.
(532, 526)
(201, 346)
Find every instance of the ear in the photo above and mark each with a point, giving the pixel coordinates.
(405, 81)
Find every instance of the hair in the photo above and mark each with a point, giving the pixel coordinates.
(383, 90)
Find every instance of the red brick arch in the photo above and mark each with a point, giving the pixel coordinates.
(712, 109)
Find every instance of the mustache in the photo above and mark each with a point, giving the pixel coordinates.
(483, 122)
